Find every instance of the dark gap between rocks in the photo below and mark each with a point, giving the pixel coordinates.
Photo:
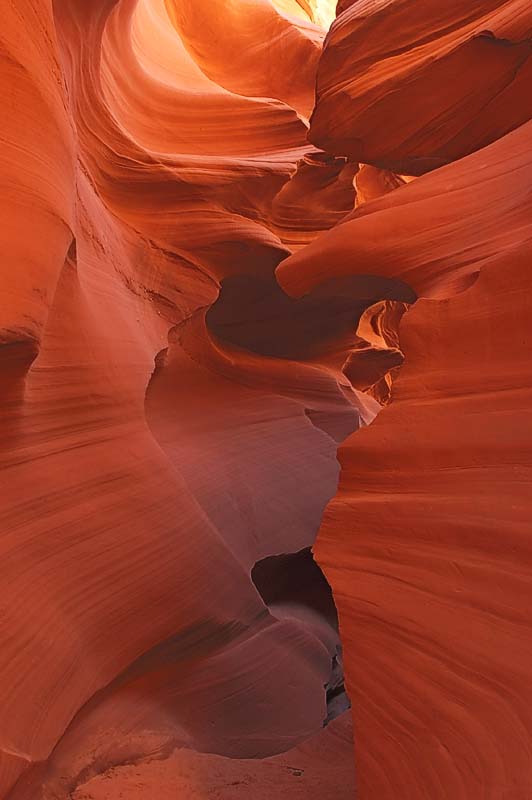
(293, 585)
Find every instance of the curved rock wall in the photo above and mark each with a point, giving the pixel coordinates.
(211, 233)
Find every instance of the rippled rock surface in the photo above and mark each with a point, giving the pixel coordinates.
(265, 400)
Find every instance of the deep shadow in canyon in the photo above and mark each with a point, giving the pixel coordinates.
(292, 584)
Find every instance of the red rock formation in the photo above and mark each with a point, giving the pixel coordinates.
(197, 307)
(372, 182)
(413, 89)
(267, 48)
(426, 542)
(322, 765)
(318, 195)
(417, 235)
(427, 548)
(107, 592)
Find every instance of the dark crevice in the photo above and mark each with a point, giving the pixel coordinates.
(335, 692)
(293, 585)
(256, 314)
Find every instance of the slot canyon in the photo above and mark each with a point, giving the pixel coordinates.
(266, 400)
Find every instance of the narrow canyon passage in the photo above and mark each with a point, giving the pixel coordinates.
(293, 586)
(265, 441)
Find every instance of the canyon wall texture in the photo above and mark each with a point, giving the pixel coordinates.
(265, 308)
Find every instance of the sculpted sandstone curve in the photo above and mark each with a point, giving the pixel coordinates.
(202, 299)
(411, 87)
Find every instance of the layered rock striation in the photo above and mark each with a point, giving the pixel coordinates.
(219, 266)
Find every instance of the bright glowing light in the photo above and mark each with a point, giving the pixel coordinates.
(321, 12)
(325, 12)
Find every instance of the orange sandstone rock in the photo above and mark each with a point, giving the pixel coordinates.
(197, 307)
(411, 87)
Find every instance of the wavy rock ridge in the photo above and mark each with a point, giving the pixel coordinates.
(218, 267)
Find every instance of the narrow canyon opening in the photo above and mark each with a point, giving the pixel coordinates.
(214, 215)
(293, 585)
